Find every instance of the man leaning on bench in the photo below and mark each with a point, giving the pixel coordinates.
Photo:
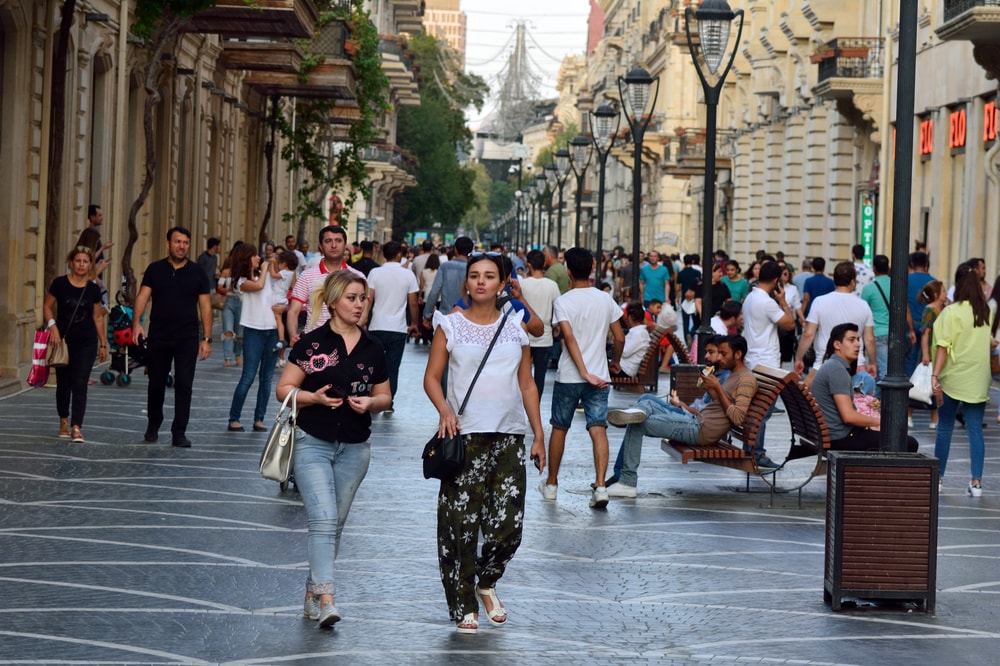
(697, 425)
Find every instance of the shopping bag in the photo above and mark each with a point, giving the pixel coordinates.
(921, 379)
(39, 373)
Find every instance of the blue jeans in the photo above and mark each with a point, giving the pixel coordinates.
(973, 413)
(394, 344)
(258, 359)
(327, 475)
(565, 398)
(882, 358)
(232, 347)
(662, 420)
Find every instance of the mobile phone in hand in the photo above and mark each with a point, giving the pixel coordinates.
(337, 392)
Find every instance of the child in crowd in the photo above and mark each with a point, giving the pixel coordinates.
(282, 270)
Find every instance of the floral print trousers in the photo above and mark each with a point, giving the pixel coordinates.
(487, 496)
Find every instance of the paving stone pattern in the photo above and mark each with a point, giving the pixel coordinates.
(121, 552)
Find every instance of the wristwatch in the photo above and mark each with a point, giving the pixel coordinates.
(208, 340)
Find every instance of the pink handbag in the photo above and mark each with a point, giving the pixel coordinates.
(39, 373)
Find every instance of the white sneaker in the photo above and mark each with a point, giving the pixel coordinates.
(599, 499)
(940, 485)
(974, 489)
(909, 422)
(548, 490)
(621, 490)
(932, 425)
(623, 417)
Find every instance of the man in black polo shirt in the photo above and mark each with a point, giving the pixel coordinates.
(179, 289)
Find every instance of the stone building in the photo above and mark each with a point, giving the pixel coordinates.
(805, 127)
(445, 20)
(210, 130)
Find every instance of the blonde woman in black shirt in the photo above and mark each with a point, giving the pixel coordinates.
(342, 377)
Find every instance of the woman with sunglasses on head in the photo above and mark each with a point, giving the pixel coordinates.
(79, 322)
(342, 377)
(487, 495)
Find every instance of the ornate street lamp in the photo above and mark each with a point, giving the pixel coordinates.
(634, 90)
(579, 161)
(541, 185)
(562, 173)
(714, 19)
(518, 237)
(605, 122)
(552, 177)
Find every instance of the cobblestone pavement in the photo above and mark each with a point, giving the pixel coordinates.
(115, 551)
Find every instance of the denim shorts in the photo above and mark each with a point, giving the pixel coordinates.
(565, 398)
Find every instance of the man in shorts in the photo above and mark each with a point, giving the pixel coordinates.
(584, 315)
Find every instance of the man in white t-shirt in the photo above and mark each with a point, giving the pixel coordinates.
(730, 316)
(584, 316)
(540, 293)
(393, 288)
(840, 306)
(764, 312)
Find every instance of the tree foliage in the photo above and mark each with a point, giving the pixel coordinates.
(434, 132)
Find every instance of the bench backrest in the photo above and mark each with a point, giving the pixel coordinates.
(678, 345)
(804, 413)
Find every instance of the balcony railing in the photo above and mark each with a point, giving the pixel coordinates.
(385, 154)
(955, 8)
(851, 58)
(393, 46)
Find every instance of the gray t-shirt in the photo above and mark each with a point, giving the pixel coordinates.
(833, 378)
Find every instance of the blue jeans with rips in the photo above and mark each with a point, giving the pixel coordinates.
(232, 332)
(258, 359)
(327, 475)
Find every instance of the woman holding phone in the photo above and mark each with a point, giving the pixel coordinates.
(342, 377)
(487, 496)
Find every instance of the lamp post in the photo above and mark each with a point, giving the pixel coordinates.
(562, 173)
(579, 161)
(714, 19)
(603, 137)
(634, 90)
(541, 184)
(517, 219)
(552, 178)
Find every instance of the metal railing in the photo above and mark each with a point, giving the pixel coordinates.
(955, 8)
(381, 153)
(852, 58)
(396, 48)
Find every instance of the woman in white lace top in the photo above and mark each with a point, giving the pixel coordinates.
(487, 496)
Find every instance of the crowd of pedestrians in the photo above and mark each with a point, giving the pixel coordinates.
(346, 313)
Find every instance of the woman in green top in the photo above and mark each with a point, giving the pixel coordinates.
(961, 376)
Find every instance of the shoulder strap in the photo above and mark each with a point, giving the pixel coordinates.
(78, 301)
(879, 287)
(482, 363)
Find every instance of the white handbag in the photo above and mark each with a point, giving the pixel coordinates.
(276, 459)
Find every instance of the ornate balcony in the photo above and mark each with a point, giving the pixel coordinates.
(977, 21)
(685, 153)
(400, 67)
(264, 18)
(383, 154)
(849, 66)
(334, 77)
(971, 20)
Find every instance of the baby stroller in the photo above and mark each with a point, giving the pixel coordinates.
(126, 354)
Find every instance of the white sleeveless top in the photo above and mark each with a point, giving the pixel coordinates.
(495, 404)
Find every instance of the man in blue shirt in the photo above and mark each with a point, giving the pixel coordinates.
(915, 282)
(816, 286)
(449, 279)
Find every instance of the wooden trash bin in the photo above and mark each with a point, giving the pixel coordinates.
(881, 527)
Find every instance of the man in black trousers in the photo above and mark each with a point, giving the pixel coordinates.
(180, 292)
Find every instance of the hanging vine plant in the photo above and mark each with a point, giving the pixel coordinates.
(341, 166)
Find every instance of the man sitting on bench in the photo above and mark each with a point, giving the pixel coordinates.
(679, 422)
(833, 388)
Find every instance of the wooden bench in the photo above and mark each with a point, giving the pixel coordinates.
(810, 435)
(679, 348)
(647, 379)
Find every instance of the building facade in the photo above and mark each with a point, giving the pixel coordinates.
(210, 132)
(445, 20)
(805, 128)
